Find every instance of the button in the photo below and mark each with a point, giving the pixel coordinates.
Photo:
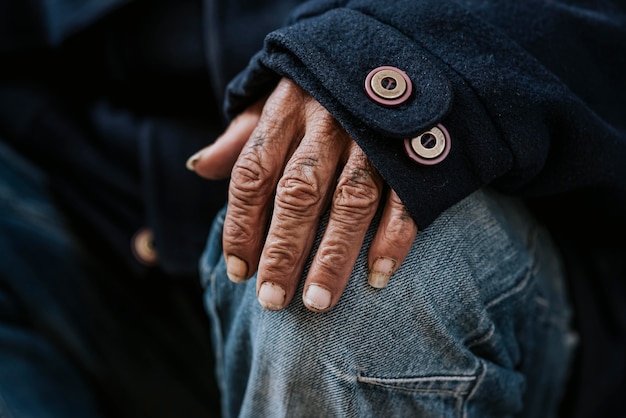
(143, 247)
(388, 86)
(429, 148)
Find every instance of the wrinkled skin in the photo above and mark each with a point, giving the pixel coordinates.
(288, 158)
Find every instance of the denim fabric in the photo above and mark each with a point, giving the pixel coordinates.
(82, 337)
(474, 324)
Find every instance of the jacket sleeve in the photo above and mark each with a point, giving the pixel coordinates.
(531, 93)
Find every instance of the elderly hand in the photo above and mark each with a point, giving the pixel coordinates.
(290, 159)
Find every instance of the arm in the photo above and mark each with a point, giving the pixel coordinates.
(508, 82)
(514, 120)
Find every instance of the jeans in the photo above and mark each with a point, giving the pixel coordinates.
(475, 323)
(81, 336)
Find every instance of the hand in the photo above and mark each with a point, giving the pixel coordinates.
(290, 159)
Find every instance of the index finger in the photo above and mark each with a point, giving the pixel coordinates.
(254, 178)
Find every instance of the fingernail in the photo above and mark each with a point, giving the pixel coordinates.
(381, 272)
(191, 162)
(236, 269)
(317, 297)
(271, 296)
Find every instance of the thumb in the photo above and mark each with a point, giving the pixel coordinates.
(216, 161)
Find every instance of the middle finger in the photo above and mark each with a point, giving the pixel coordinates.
(301, 196)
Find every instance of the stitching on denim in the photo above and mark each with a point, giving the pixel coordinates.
(419, 390)
(419, 379)
(217, 334)
(513, 291)
(483, 338)
(479, 379)
(397, 384)
(207, 269)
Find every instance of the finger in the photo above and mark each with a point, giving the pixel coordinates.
(254, 178)
(392, 242)
(216, 161)
(301, 198)
(354, 205)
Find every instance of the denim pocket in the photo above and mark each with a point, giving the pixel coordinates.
(434, 396)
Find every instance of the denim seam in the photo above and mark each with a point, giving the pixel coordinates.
(218, 338)
(479, 378)
(415, 390)
(482, 339)
(518, 288)
(389, 383)
(208, 269)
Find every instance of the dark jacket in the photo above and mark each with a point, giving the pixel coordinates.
(111, 97)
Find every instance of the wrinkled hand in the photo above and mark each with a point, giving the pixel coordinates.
(289, 144)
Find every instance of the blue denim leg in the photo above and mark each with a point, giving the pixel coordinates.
(81, 336)
(474, 324)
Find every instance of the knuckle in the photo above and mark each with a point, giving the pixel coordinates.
(249, 177)
(280, 258)
(399, 231)
(332, 257)
(236, 231)
(298, 190)
(357, 192)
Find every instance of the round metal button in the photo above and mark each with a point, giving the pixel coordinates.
(143, 247)
(388, 86)
(429, 148)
